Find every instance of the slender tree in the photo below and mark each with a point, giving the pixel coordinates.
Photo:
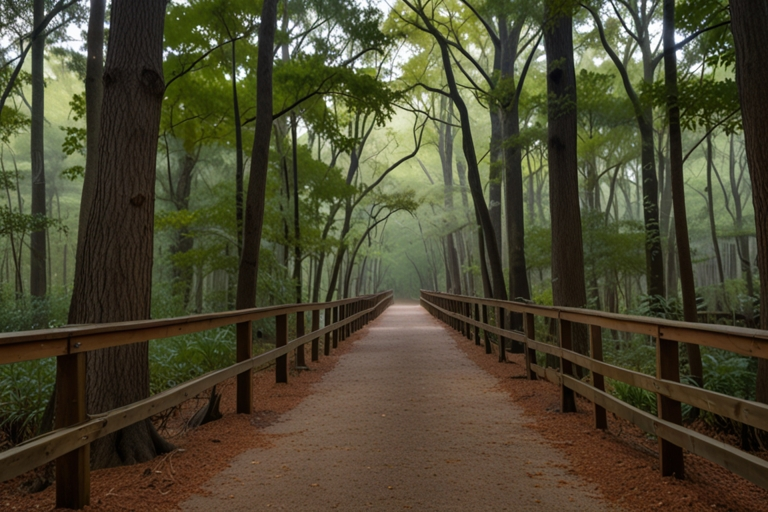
(257, 185)
(690, 313)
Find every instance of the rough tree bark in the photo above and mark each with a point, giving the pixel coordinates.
(568, 287)
(94, 91)
(113, 273)
(748, 22)
(257, 185)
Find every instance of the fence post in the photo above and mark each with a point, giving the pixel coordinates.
(336, 331)
(244, 351)
(488, 349)
(327, 340)
(300, 331)
(281, 340)
(316, 341)
(502, 339)
(530, 354)
(477, 329)
(467, 325)
(567, 397)
(73, 470)
(668, 368)
(598, 381)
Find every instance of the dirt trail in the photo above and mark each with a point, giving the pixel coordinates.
(405, 421)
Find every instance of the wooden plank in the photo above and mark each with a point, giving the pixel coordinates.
(73, 469)
(18, 352)
(619, 323)
(513, 335)
(476, 324)
(744, 411)
(327, 339)
(725, 339)
(598, 381)
(744, 464)
(244, 381)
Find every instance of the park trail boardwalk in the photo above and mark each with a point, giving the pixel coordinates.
(405, 421)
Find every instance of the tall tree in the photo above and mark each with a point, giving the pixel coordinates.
(568, 287)
(113, 273)
(690, 313)
(748, 22)
(254, 203)
(37, 240)
(642, 16)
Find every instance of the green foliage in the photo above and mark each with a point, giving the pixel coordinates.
(176, 360)
(634, 396)
(25, 390)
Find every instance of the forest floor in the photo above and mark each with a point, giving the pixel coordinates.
(619, 464)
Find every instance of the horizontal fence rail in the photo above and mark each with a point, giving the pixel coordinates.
(464, 314)
(69, 443)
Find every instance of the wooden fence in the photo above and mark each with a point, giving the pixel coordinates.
(469, 315)
(69, 443)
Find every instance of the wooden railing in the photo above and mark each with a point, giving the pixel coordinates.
(69, 443)
(469, 315)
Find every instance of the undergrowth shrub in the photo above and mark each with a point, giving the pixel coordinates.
(25, 390)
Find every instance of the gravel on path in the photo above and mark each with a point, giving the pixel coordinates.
(405, 421)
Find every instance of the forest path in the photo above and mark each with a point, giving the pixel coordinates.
(404, 421)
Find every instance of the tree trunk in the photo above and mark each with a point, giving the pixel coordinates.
(113, 274)
(239, 165)
(568, 287)
(37, 239)
(678, 189)
(748, 22)
(257, 185)
(513, 171)
(711, 215)
(296, 220)
(445, 146)
(94, 91)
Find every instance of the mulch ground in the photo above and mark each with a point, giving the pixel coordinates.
(620, 461)
(163, 483)
(623, 460)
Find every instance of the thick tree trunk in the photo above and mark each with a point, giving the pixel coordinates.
(568, 287)
(37, 239)
(257, 186)
(678, 188)
(113, 274)
(748, 22)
